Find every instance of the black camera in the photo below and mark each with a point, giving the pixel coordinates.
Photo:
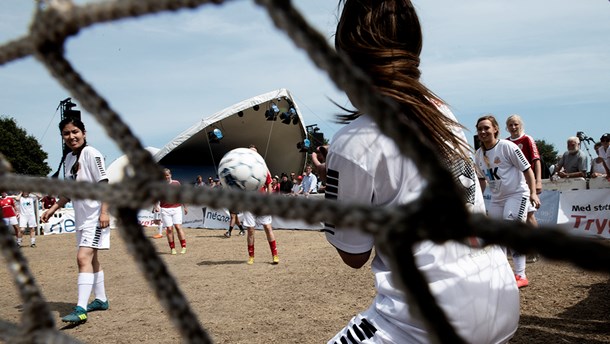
(583, 137)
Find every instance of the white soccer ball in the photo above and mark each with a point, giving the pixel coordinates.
(244, 169)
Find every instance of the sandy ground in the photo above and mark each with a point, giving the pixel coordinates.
(307, 298)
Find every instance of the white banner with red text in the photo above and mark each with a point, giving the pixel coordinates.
(585, 212)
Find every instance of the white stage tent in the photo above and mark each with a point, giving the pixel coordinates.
(194, 152)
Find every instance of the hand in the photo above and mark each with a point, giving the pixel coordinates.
(321, 153)
(104, 220)
(535, 200)
(45, 216)
(318, 158)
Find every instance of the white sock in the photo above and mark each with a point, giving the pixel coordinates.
(98, 286)
(32, 241)
(160, 229)
(519, 264)
(85, 286)
(18, 241)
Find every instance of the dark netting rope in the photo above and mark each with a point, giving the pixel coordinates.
(56, 20)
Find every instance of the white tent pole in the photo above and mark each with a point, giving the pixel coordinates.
(268, 140)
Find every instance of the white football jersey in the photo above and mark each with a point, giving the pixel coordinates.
(27, 205)
(91, 168)
(475, 287)
(502, 166)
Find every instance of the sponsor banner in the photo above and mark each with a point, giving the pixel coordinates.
(61, 222)
(197, 217)
(582, 212)
(219, 219)
(585, 213)
(145, 218)
(193, 219)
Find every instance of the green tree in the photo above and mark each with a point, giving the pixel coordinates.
(22, 150)
(547, 152)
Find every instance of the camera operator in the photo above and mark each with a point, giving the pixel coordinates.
(573, 163)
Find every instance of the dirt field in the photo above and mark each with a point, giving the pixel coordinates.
(307, 298)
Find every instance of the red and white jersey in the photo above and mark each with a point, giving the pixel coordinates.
(91, 168)
(268, 181)
(365, 166)
(528, 146)
(502, 167)
(164, 204)
(8, 207)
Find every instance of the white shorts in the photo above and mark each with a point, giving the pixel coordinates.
(249, 220)
(514, 208)
(171, 216)
(98, 238)
(531, 208)
(10, 220)
(27, 221)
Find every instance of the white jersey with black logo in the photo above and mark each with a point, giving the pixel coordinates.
(91, 168)
(475, 287)
(502, 166)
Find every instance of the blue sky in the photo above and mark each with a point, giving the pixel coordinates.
(547, 60)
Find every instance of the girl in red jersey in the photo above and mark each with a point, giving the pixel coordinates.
(9, 213)
(171, 217)
(250, 221)
(514, 125)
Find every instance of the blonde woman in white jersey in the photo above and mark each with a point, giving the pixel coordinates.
(503, 168)
(384, 39)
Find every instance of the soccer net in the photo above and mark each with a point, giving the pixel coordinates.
(397, 229)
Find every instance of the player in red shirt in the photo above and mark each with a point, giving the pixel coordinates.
(171, 217)
(514, 125)
(9, 212)
(250, 221)
(48, 201)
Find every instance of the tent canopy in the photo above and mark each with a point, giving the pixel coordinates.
(195, 152)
